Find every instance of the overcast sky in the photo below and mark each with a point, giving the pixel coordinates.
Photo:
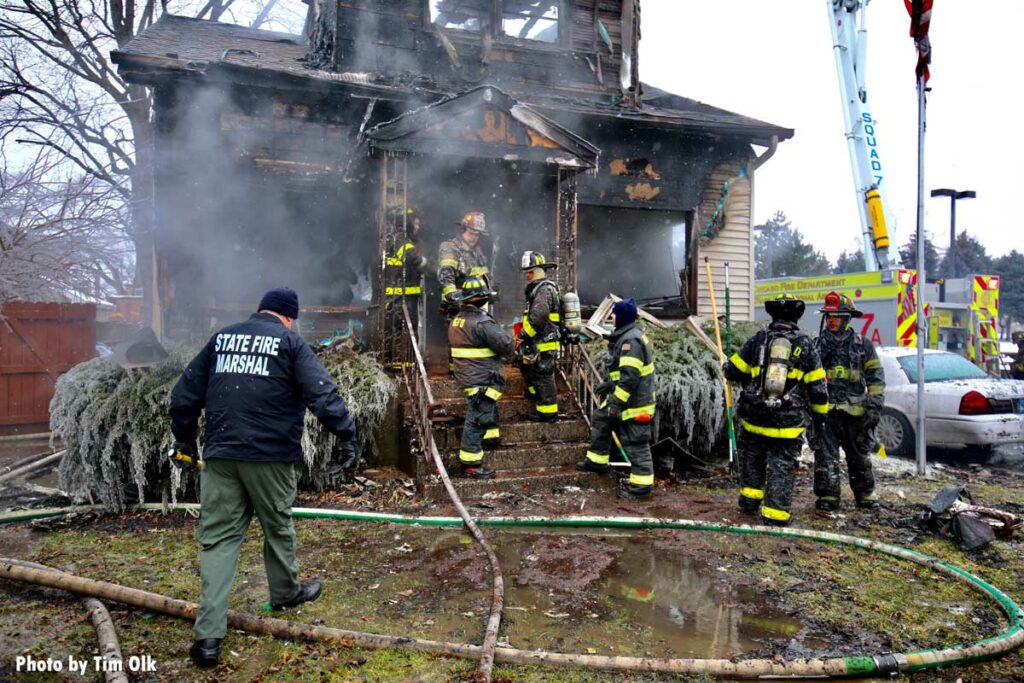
(773, 61)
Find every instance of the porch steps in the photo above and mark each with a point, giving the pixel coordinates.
(531, 458)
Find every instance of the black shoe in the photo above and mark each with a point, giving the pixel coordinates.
(308, 592)
(588, 466)
(477, 472)
(491, 444)
(205, 653)
(774, 522)
(631, 492)
(545, 418)
(827, 504)
(867, 503)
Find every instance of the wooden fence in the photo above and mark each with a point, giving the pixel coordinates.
(39, 342)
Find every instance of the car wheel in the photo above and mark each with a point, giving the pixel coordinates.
(895, 433)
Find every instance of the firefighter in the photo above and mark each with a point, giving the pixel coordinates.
(627, 406)
(782, 384)
(462, 257)
(403, 274)
(477, 345)
(537, 338)
(1017, 372)
(856, 389)
(255, 379)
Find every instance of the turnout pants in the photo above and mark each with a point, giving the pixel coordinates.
(767, 469)
(846, 431)
(481, 426)
(636, 441)
(231, 491)
(540, 384)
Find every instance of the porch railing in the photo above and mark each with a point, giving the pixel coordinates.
(580, 374)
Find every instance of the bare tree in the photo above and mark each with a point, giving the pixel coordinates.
(60, 92)
(62, 237)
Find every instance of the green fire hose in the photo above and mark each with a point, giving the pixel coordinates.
(886, 663)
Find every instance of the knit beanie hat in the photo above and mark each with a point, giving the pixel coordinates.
(625, 312)
(281, 300)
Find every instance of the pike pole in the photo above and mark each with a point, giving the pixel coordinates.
(728, 345)
(721, 360)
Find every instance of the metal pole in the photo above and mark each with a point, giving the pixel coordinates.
(921, 323)
(952, 236)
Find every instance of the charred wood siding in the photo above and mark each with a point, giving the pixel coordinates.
(734, 243)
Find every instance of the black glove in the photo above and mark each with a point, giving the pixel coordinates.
(345, 455)
(604, 388)
(871, 418)
(185, 455)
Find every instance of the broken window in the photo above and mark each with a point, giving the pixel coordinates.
(464, 15)
(530, 20)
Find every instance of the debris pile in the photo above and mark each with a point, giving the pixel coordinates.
(115, 426)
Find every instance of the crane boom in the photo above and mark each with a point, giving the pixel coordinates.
(849, 43)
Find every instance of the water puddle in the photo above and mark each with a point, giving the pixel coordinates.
(578, 592)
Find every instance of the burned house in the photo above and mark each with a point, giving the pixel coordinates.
(277, 156)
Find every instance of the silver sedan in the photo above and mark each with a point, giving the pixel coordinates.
(964, 407)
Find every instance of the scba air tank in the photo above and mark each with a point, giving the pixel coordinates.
(778, 367)
(571, 319)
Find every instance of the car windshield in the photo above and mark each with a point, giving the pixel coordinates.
(940, 367)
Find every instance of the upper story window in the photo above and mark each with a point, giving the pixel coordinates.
(464, 15)
(530, 20)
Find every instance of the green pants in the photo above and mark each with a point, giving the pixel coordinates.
(230, 492)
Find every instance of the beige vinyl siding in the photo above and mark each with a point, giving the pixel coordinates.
(733, 244)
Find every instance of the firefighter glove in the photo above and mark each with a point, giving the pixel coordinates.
(871, 418)
(614, 411)
(604, 388)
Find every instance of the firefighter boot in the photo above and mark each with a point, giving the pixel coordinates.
(477, 472)
(634, 492)
(588, 465)
(827, 504)
(868, 502)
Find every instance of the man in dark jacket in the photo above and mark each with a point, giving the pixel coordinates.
(539, 340)
(477, 345)
(856, 392)
(628, 404)
(783, 385)
(255, 379)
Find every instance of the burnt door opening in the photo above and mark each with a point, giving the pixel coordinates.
(629, 252)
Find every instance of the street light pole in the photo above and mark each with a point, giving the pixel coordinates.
(953, 196)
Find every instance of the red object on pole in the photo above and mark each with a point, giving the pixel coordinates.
(920, 19)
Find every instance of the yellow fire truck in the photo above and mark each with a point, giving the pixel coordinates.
(962, 315)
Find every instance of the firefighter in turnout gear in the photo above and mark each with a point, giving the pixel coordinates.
(1017, 371)
(255, 380)
(538, 340)
(477, 345)
(627, 405)
(403, 274)
(783, 384)
(856, 389)
(462, 257)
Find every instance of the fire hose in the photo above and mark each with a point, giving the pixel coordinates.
(870, 664)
